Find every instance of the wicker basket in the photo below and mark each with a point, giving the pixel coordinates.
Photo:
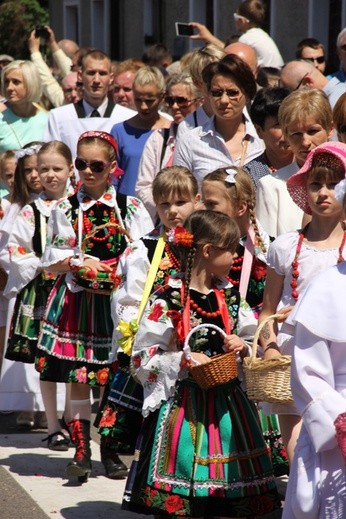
(268, 380)
(219, 370)
(102, 283)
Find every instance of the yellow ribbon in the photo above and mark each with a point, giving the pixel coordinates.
(128, 332)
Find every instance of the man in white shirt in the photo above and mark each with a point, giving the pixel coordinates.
(95, 111)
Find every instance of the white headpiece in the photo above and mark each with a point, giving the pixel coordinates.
(340, 190)
(231, 173)
(31, 150)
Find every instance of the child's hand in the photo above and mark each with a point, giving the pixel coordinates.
(235, 344)
(284, 313)
(96, 266)
(200, 358)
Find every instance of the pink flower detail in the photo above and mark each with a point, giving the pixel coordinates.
(81, 375)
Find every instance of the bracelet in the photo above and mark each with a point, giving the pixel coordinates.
(75, 262)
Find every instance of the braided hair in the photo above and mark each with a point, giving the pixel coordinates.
(242, 190)
(207, 227)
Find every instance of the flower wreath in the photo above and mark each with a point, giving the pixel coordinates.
(180, 236)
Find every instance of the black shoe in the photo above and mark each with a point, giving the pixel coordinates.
(57, 441)
(115, 469)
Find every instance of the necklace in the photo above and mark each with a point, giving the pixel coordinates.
(204, 313)
(295, 262)
(88, 226)
(172, 258)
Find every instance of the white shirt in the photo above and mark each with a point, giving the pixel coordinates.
(268, 54)
(203, 149)
(275, 208)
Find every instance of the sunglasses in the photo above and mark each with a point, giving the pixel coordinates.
(301, 81)
(342, 129)
(181, 101)
(343, 47)
(319, 59)
(237, 17)
(96, 166)
(232, 93)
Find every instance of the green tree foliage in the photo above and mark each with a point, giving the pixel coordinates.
(17, 19)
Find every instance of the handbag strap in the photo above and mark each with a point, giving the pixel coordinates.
(152, 274)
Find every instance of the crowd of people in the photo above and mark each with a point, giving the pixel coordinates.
(152, 214)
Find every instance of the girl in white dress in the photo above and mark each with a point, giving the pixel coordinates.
(295, 258)
(317, 483)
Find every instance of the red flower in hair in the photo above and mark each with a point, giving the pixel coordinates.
(180, 236)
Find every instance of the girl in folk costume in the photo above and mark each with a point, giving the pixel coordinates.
(86, 235)
(317, 483)
(27, 280)
(144, 268)
(296, 257)
(232, 192)
(200, 451)
(19, 385)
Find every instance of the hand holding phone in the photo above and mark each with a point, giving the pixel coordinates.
(184, 29)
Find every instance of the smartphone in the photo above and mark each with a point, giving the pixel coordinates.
(183, 29)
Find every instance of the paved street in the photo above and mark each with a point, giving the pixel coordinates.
(33, 486)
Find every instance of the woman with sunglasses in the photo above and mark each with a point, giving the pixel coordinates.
(182, 99)
(228, 138)
(86, 235)
(131, 135)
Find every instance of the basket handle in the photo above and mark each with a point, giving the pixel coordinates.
(187, 349)
(260, 327)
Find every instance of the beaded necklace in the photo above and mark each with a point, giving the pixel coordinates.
(236, 267)
(295, 263)
(204, 313)
(172, 258)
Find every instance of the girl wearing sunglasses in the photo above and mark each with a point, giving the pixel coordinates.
(86, 235)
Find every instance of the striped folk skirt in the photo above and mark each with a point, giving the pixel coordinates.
(76, 337)
(202, 453)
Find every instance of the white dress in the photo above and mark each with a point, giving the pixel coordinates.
(311, 261)
(19, 382)
(317, 482)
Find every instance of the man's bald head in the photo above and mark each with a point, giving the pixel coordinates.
(300, 73)
(70, 47)
(244, 52)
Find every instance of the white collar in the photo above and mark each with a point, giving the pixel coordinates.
(107, 198)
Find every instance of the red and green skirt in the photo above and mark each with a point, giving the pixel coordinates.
(76, 337)
(202, 453)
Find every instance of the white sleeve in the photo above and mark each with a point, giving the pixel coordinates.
(313, 387)
(149, 167)
(183, 152)
(138, 221)
(61, 238)
(24, 263)
(51, 87)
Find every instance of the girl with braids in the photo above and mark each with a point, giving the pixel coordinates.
(295, 258)
(175, 192)
(200, 452)
(232, 192)
(86, 235)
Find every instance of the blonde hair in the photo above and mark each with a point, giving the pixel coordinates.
(31, 79)
(242, 190)
(301, 104)
(174, 181)
(150, 75)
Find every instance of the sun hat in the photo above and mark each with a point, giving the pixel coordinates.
(329, 154)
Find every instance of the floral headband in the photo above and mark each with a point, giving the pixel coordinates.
(340, 190)
(100, 135)
(180, 236)
(26, 152)
(231, 173)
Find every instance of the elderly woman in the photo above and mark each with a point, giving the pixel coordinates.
(182, 98)
(131, 135)
(228, 137)
(21, 119)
